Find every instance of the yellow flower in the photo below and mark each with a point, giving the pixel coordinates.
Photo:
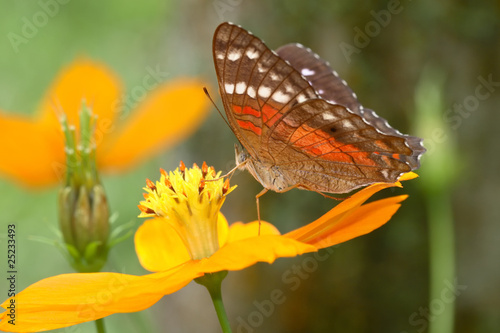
(185, 205)
(35, 145)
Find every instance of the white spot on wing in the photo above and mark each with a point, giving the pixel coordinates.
(251, 92)
(264, 91)
(220, 55)
(229, 87)
(279, 97)
(327, 116)
(233, 56)
(289, 88)
(347, 125)
(307, 72)
(240, 87)
(252, 53)
(301, 98)
(274, 76)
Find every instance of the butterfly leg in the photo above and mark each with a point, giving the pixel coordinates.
(261, 193)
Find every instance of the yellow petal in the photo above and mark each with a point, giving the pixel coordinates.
(317, 228)
(170, 113)
(82, 80)
(28, 156)
(69, 299)
(222, 229)
(408, 176)
(239, 230)
(159, 247)
(360, 221)
(246, 252)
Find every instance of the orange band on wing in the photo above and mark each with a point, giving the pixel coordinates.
(246, 110)
(317, 143)
(248, 125)
(270, 115)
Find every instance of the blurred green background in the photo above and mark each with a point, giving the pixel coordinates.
(416, 66)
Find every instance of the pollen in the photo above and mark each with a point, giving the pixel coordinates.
(145, 210)
(163, 172)
(204, 169)
(189, 199)
(151, 185)
(168, 183)
(226, 186)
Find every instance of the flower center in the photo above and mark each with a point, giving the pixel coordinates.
(189, 199)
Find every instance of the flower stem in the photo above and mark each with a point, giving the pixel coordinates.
(99, 325)
(442, 263)
(439, 174)
(219, 308)
(213, 282)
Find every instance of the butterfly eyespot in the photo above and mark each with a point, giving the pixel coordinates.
(333, 129)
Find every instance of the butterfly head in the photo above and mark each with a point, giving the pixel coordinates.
(241, 156)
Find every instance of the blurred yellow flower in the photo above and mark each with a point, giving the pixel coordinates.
(32, 148)
(185, 204)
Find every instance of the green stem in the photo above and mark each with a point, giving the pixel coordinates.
(213, 283)
(442, 264)
(219, 308)
(99, 325)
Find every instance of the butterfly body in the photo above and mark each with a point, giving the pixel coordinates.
(299, 124)
(269, 175)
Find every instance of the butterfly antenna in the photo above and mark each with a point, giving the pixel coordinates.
(215, 105)
(229, 174)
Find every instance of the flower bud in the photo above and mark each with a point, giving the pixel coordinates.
(83, 206)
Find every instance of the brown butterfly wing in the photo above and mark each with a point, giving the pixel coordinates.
(332, 88)
(255, 85)
(324, 147)
(321, 76)
(277, 114)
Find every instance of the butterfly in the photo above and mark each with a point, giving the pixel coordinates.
(299, 124)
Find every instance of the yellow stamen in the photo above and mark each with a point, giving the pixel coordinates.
(185, 199)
